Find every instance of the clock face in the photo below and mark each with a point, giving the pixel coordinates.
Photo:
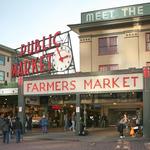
(62, 58)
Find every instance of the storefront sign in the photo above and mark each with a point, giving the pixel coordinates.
(108, 83)
(116, 13)
(9, 91)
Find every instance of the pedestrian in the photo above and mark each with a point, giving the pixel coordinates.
(65, 122)
(103, 121)
(6, 130)
(44, 124)
(72, 127)
(2, 122)
(18, 129)
(28, 123)
(122, 125)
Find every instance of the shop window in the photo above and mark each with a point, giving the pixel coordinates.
(2, 75)
(2, 60)
(109, 67)
(108, 45)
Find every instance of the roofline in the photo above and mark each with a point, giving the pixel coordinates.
(7, 48)
(109, 23)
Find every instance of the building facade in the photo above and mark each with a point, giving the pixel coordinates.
(6, 59)
(114, 43)
(115, 39)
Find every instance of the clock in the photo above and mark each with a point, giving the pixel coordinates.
(62, 58)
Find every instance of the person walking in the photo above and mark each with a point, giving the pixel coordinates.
(44, 124)
(6, 131)
(122, 125)
(72, 127)
(18, 129)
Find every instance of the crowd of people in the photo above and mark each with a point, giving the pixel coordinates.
(10, 126)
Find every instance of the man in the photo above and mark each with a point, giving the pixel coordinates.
(18, 129)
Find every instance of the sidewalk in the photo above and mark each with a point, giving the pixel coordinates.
(94, 135)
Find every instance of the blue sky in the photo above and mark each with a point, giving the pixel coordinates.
(24, 20)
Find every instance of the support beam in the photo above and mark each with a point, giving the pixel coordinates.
(21, 103)
(146, 103)
(77, 114)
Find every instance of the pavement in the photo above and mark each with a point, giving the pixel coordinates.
(98, 138)
(94, 135)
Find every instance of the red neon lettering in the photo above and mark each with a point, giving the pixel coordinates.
(114, 82)
(30, 50)
(35, 88)
(43, 44)
(97, 84)
(14, 70)
(32, 46)
(27, 65)
(49, 56)
(34, 66)
(73, 85)
(57, 86)
(50, 86)
(106, 82)
(21, 69)
(54, 39)
(23, 50)
(49, 41)
(28, 86)
(125, 81)
(37, 46)
(134, 81)
(88, 84)
(41, 64)
(65, 85)
(42, 86)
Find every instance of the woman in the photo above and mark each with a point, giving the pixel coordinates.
(122, 125)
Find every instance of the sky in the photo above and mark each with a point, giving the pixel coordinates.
(22, 21)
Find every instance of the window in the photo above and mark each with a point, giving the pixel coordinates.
(8, 59)
(2, 60)
(148, 64)
(103, 68)
(108, 45)
(2, 75)
(7, 74)
(147, 41)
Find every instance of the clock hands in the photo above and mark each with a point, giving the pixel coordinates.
(60, 57)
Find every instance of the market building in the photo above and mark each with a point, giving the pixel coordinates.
(116, 39)
(114, 48)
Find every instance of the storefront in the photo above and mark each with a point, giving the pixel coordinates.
(89, 94)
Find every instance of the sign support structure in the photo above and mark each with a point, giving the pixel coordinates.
(146, 102)
(21, 103)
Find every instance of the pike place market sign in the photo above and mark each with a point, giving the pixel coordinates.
(51, 54)
(108, 83)
(116, 13)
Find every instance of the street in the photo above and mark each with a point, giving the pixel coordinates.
(32, 143)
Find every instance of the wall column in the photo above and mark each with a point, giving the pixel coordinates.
(146, 102)
(21, 102)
